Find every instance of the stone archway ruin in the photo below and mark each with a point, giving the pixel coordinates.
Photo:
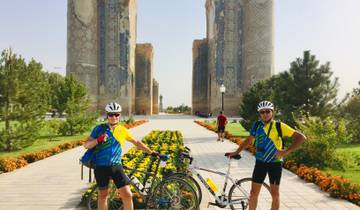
(102, 52)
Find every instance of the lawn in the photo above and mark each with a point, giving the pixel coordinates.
(235, 129)
(351, 172)
(46, 141)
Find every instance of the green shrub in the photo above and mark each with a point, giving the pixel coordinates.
(77, 124)
(54, 127)
(323, 136)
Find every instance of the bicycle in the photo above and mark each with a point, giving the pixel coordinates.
(168, 193)
(239, 193)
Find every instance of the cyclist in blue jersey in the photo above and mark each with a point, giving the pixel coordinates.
(108, 140)
(269, 152)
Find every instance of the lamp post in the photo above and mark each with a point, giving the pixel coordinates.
(222, 91)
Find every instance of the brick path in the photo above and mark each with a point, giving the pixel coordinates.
(54, 183)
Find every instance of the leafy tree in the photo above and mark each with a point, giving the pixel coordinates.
(179, 109)
(356, 91)
(307, 88)
(350, 110)
(78, 118)
(23, 100)
(260, 91)
(57, 98)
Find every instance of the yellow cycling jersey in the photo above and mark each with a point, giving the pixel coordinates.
(121, 134)
(286, 130)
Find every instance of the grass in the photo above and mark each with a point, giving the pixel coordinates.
(237, 129)
(352, 171)
(46, 141)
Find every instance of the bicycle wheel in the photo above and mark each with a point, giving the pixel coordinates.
(239, 195)
(114, 202)
(173, 193)
(192, 181)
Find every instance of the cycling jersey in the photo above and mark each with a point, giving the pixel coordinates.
(109, 152)
(266, 146)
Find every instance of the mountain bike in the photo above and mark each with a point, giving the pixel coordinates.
(239, 193)
(167, 193)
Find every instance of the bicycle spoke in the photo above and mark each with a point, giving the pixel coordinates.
(239, 196)
(173, 194)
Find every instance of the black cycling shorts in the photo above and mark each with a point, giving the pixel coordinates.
(261, 169)
(116, 173)
(221, 129)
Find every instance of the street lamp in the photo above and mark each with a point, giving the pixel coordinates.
(222, 91)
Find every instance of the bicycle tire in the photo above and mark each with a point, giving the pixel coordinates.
(114, 202)
(190, 180)
(173, 193)
(241, 200)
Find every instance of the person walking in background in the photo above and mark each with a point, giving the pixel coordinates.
(266, 135)
(221, 123)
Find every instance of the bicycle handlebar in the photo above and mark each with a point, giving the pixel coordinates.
(236, 157)
(185, 155)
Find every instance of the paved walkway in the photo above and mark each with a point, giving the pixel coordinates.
(54, 183)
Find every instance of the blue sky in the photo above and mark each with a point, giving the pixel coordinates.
(329, 28)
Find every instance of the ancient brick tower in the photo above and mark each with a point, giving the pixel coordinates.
(238, 49)
(101, 49)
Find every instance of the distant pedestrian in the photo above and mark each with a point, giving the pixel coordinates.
(221, 123)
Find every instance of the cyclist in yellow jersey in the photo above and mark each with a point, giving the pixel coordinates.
(269, 152)
(108, 140)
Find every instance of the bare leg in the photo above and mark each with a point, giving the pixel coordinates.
(274, 190)
(126, 197)
(102, 199)
(254, 194)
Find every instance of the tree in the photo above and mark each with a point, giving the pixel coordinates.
(307, 88)
(57, 99)
(23, 101)
(78, 118)
(350, 110)
(260, 91)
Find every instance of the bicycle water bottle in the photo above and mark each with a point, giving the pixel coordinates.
(211, 184)
(137, 182)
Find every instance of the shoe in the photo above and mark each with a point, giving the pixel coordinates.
(218, 139)
(222, 140)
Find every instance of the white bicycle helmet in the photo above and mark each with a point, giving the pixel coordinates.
(265, 105)
(113, 107)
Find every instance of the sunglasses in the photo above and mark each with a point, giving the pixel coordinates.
(265, 111)
(113, 114)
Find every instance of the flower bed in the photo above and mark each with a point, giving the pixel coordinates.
(164, 142)
(10, 164)
(337, 186)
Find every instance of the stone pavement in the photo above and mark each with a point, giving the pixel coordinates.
(54, 183)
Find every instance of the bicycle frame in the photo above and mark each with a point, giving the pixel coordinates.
(144, 191)
(221, 200)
